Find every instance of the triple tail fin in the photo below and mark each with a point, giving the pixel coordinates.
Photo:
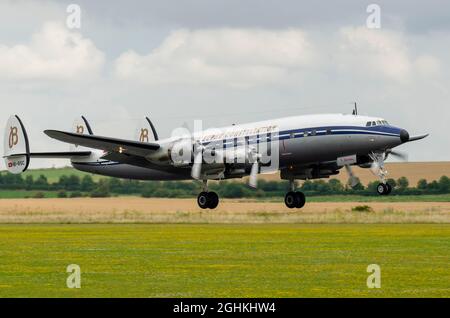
(143, 131)
(17, 152)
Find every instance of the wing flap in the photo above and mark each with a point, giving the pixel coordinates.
(105, 143)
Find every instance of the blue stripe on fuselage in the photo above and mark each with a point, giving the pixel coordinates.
(319, 131)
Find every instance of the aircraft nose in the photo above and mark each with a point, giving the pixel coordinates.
(404, 135)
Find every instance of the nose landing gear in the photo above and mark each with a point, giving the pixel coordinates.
(384, 188)
(378, 169)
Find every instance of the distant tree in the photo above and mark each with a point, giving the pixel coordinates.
(73, 182)
(444, 184)
(29, 182)
(336, 185)
(307, 186)
(402, 183)
(392, 182)
(233, 190)
(358, 186)
(102, 190)
(63, 182)
(41, 182)
(372, 186)
(87, 183)
(115, 185)
(422, 184)
(433, 185)
(76, 194)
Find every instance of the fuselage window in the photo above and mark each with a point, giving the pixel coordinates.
(292, 135)
(328, 131)
(313, 133)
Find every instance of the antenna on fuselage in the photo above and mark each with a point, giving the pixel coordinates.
(355, 110)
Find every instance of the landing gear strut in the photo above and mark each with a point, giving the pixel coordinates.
(378, 169)
(294, 199)
(207, 200)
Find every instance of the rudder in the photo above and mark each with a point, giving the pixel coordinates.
(16, 146)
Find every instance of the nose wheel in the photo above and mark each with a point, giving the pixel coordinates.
(208, 200)
(384, 188)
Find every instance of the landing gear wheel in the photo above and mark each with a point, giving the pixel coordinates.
(213, 200)
(301, 200)
(202, 200)
(292, 200)
(382, 189)
(389, 188)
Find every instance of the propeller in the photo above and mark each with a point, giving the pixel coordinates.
(352, 178)
(198, 160)
(253, 179)
(400, 155)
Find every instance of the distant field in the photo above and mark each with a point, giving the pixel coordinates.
(281, 260)
(140, 210)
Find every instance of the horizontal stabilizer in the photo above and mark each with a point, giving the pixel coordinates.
(64, 154)
(105, 143)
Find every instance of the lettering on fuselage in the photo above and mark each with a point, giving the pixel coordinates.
(239, 133)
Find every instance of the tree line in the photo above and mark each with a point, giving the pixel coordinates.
(74, 186)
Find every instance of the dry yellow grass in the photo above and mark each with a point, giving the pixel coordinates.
(136, 210)
(414, 171)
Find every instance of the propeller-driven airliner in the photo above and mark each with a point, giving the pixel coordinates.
(299, 147)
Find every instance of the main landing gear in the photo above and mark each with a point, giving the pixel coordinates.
(294, 199)
(206, 199)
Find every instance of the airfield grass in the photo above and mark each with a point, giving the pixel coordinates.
(168, 260)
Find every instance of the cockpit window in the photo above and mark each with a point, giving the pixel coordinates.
(369, 123)
(374, 123)
(379, 122)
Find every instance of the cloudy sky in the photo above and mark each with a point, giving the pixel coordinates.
(224, 62)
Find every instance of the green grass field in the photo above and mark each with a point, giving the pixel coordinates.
(53, 174)
(225, 260)
(18, 194)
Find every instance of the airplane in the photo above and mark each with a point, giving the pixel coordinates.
(299, 147)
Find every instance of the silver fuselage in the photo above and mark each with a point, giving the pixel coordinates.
(301, 140)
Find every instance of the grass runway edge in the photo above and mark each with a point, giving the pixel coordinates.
(216, 260)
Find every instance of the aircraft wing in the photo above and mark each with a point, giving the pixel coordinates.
(108, 144)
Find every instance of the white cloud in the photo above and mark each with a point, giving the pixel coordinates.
(237, 57)
(374, 52)
(428, 65)
(54, 53)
